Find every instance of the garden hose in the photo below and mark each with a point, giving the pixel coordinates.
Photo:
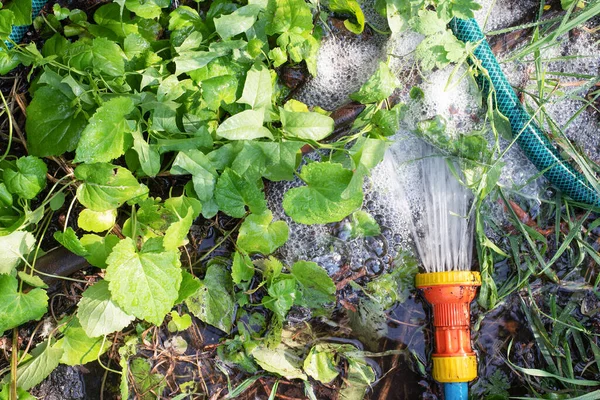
(529, 136)
(19, 31)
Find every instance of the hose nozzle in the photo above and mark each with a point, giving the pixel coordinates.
(450, 293)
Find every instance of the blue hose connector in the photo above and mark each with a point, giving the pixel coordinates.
(456, 391)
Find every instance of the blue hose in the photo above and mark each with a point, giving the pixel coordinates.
(529, 136)
(456, 391)
(19, 31)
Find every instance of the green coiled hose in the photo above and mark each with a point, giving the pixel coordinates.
(19, 31)
(529, 136)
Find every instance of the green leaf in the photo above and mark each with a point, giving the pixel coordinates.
(363, 225)
(98, 314)
(320, 363)
(321, 201)
(108, 57)
(28, 178)
(233, 193)
(5, 393)
(108, 133)
(288, 15)
(242, 269)
(351, 7)
(314, 284)
(379, 87)
(244, 126)
(16, 246)
(143, 284)
(16, 308)
(21, 10)
(98, 248)
(258, 235)
(237, 22)
(463, 9)
(149, 9)
(32, 280)
(306, 125)
(282, 294)
(280, 361)
(53, 125)
(177, 232)
(33, 371)
(394, 286)
(275, 161)
(359, 379)
(178, 322)
(79, 348)
(96, 221)
(193, 60)
(204, 175)
(367, 153)
(189, 285)
(144, 381)
(7, 18)
(69, 239)
(439, 50)
(428, 23)
(219, 90)
(213, 302)
(106, 186)
(258, 88)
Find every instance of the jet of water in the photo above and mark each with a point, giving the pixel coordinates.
(438, 206)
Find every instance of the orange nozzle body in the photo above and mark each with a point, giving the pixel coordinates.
(451, 293)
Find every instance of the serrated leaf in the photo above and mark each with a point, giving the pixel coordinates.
(28, 178)
(32, 280)
(106, 186)
(68, 238)
(98, 314)
(363, 225)
(45, 359)
(237, 22)
(204, 174)
(16, 246)
(108, 134)
(378, 87)
(213, 302)
(275, 161)
(306, 125)
(242, 268)
(16, 307)
(78, 347)
(259, 235)
(233, 193)
(147, 8)
(321, 201)
(244, 126)
(143, 284)
(439, 50)
(96, 221)
(53, 125)
(108, 57)
(98, 248)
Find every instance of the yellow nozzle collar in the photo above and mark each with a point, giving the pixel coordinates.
(454, 369)
(448, 278)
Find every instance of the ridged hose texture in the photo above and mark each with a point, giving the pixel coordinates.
(529, 136)
(19, 31)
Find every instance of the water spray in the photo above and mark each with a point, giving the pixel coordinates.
(443, 237)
